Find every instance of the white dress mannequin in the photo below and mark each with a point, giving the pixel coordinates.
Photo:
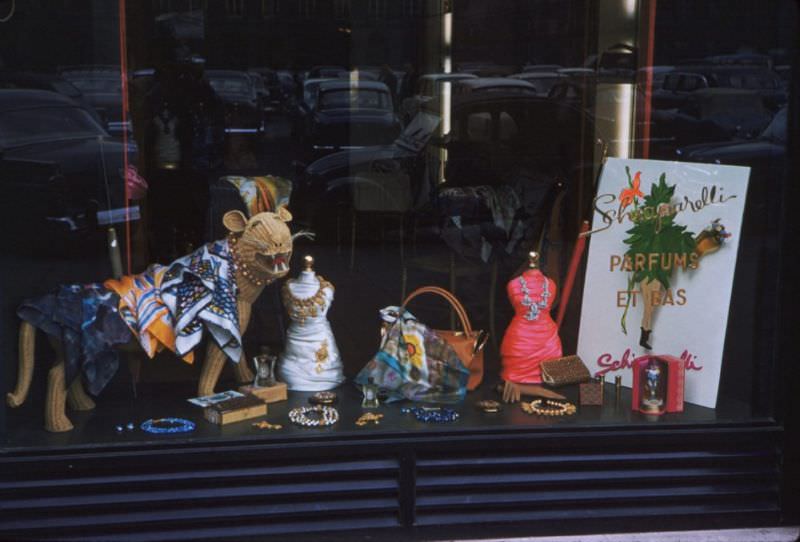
(310, 360)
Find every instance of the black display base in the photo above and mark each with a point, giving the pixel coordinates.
(96, 428)
(606, 469)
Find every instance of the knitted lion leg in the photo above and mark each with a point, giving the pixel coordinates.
(77, 398)
(27, 346)
(55, 418)
(215, 358)
(243, 373)
(212, 367)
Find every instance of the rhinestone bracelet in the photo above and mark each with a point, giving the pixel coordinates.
(161, 426)
(432, 415)
(321, 416)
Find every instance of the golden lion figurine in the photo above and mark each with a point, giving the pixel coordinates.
(261, 248)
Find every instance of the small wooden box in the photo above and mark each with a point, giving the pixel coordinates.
(236, 410)
(270, 394)
(591, 393)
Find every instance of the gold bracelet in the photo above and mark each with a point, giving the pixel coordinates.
(552, 408)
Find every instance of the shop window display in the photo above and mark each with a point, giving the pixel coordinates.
(183, 218)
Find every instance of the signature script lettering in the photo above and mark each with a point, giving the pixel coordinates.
(604, 206)
(608, 364)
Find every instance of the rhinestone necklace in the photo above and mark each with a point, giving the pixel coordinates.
(534, 307)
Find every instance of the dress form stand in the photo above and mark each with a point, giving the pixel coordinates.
(532, 336)
(310, 360)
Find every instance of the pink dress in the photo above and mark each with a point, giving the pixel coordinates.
(532, 336)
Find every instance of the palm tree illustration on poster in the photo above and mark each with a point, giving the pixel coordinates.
(662, 256)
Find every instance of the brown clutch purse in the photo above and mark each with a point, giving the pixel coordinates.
(563, 371)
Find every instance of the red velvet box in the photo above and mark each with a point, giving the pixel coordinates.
(668, 393)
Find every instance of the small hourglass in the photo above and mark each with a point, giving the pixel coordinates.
(265, 370)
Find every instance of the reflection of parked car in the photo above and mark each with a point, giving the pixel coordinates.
(768, 149)
(304, 107)
(578, 90)
(679, 84)
(47, 127)
(242, 112)
(483, 85)
(46, 81)
(541, 80)
(494, 134)
(262, 93)
(325, 72)
(330, 179)
(101, 86)
(713, 114)
(428, 87)
(351, 114)
(541, 68)
(766, 157)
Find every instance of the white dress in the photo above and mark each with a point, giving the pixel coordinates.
(310, 360)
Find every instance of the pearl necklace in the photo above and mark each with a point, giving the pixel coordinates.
(239, 264)
(553, 408)
(323, 416)
(534, 307)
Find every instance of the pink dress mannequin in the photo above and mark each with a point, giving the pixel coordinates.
(532, 336)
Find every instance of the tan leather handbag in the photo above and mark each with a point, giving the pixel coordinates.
(467, 343)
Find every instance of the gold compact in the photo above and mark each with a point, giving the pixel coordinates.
(489, 406)
(323, 398)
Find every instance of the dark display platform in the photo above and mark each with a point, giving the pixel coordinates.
(97, 428)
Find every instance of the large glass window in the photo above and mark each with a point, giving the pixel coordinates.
(194, 190)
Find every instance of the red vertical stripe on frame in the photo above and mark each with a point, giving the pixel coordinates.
(123, 68)
(649, 19)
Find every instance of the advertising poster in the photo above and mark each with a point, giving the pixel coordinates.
(662, 256)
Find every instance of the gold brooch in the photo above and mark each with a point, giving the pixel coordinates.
(490, 406)
(266, 425)
(369, 417)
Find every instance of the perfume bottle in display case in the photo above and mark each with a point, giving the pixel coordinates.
(658, 384)
(370, 391)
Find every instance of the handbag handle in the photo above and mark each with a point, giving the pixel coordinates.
(454, 302)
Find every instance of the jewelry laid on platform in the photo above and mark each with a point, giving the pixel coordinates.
(548, 407)
(432, 414)
(489, 406)
(159, 426)
(266, 425)
(369, 417)
(314, 416)
(307, 307)
(122, 428)
(534, 307)
(323, 398)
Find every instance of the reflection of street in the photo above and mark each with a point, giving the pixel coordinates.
(275, 151)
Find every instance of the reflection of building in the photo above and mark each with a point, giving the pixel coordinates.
(517, 32)
(41, 38)
(304, 33)
(687, 29)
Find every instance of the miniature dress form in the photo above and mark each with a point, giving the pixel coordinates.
(532, 336)
(310, 360)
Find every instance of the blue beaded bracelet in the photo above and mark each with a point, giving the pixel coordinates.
(432, 415)
(160, 426)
